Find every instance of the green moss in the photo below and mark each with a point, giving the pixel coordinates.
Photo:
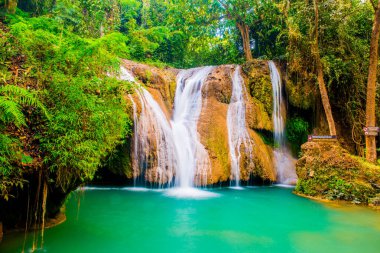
(300, 95)
(375, 201)
(267, 137)
(218, 147)
(148, 75)
(259, 83)
(328, 171)
(261, 88)
(119, 162)
(306, 187)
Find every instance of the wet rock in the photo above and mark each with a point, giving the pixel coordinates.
(260, 101)
(212, 124)
(163, 80)
(212, 127)
(219, 85)
(375, 201)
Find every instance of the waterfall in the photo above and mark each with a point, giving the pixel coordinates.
(278, 106)
(154, 151)
(163, 149)
(237, 131)
(156, 147)
(284, 162)
(193, 158)
(135, 141)
(126, 75)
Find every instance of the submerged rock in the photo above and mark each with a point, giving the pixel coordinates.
(328, 171)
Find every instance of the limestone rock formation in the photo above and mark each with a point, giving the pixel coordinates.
(162, 80)
(212, 124)
(212, 128)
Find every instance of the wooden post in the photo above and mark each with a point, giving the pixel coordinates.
(1, 231)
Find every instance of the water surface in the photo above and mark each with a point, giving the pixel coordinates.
(264, 219)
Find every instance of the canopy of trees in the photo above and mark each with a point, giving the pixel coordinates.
(61, 111)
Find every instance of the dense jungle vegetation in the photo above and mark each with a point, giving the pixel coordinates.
(62, 111)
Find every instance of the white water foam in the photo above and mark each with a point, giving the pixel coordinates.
(190, 193)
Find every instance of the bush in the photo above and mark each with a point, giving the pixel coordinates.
(296, 131)
(72, 114)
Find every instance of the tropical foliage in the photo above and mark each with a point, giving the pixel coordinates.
(61, 111)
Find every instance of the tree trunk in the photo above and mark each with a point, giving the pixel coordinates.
(286, 8)
(1, 231)
(244, 31)
(321, 81)
(10, 6)
(370, 141)
(145, 13)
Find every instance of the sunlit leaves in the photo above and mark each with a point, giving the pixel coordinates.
(78, 112)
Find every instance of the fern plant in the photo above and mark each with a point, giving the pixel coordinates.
(10, 175)
(12, 99)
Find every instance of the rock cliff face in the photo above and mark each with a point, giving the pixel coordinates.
(212, 123)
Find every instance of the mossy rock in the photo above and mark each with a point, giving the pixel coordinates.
(375, 201)
(328, 171)
(217, 147)
(301, 94)
(259, 83)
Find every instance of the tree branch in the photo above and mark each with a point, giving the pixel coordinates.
(223, 4)
(373, 4)
(228, 14)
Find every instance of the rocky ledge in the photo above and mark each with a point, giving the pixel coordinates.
(328, 171)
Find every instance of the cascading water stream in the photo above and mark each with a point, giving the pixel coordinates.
(161, 153)
(278, 120)
(192, 156)
(284, 162)
(172, 148)
(237, 131)
(135, 141)
(154, 147)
